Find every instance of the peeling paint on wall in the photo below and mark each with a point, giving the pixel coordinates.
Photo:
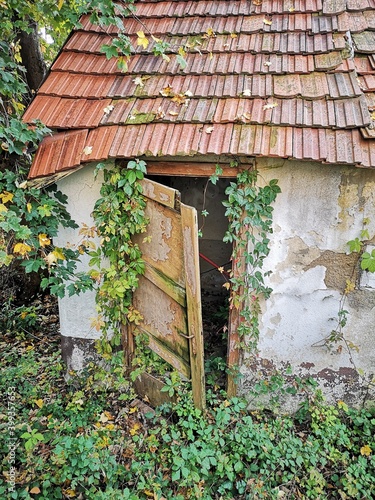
(318, 211)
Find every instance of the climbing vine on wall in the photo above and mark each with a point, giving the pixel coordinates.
(119, 214)
(249, 211)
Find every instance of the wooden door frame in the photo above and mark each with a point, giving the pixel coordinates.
(206, 169)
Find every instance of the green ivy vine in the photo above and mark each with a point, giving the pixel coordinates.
(249, 211)
(119, 214)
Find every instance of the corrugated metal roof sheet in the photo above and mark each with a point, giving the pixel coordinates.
(275, 79)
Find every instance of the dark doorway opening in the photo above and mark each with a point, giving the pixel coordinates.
(215, 265)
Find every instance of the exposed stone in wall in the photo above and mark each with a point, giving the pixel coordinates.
(339, 268)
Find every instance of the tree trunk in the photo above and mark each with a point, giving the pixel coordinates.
(32, 57)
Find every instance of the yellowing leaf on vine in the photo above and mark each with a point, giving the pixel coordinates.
(97, 323)
(227, 285)
(167, 91)
(3, 208)
(39, 403)
(366, 450)
(6, 196)
(61, 3)
(87, 231)
(44, 241)
(182, 51)
(142, 39)
(58, 253)
(29, 207)
(21, 249)
(157, 40)
(350, 287)
(133, 409)
(134, 430)
(4, 146)
(50, 259)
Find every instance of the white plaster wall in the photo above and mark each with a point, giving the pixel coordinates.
(77, 312)
(318, 211)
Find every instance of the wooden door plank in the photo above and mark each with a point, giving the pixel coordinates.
(166, 284)
(162, 350)
(194, 305)
(164, 195)
(163, 317)
(161, 246)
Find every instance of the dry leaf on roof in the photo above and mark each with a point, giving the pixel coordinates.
(167, 91)
(87, 150)
(180, 99)
(139, 81)
(257, 2)
(108, 109)
(159, 114)
(244, 117)
(209, 130)
(246, 93)
(270, 105)
(188, 93)
(209, 33)
(267, 63)
(173, 113)
(291, 9)
(268, 22)
(142, 39)
(233, 35)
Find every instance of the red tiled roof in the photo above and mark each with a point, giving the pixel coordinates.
(278, 79)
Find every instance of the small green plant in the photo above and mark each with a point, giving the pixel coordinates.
(32, 438)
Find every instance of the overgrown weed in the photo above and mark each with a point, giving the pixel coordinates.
(89, 439)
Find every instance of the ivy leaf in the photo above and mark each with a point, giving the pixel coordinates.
(142, 39)
(109, 51)
(355, 245)
(181, 61)
(368, 261)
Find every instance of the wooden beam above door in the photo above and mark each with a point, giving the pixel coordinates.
(190, 169)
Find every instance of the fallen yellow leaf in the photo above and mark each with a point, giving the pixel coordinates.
(366, 450)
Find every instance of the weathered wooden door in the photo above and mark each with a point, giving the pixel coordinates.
(169, 294)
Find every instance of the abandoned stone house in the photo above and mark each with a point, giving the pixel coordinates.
(283, 86)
